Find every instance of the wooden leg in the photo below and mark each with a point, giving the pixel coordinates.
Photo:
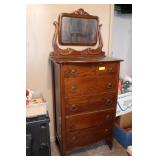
(63, 153)
(110, 144)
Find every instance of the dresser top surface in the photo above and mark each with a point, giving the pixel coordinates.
(87, 59)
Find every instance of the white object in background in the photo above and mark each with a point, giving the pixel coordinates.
(129, 150)
(124, 104)
(36, 106)
(36, 110)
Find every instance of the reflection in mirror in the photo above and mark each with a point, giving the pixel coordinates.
(78, 31)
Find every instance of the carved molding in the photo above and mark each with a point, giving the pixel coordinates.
(70, 51)
(81, 12)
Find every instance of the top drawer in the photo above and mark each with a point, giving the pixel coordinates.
(81, 70)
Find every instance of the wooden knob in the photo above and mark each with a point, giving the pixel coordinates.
(110, 70)
(106, 131)
(108, 102)
(108, 117)
(109, 85)
(73, 108)
(73, 138)
(73, 88)
(73, 72)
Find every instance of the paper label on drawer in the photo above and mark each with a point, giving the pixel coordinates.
(101, 68)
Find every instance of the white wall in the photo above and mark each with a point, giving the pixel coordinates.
(39, 34)
(122, 42)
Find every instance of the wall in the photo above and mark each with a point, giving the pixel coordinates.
(122, 42)
(39, 34)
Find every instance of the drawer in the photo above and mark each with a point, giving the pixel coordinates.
(89, 103)
(83, 86)
(88, 136)
(77, 70)
(90, 119)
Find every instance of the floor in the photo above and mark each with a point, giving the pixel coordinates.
(98, 149)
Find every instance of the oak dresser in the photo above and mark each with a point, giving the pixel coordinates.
(85, 85)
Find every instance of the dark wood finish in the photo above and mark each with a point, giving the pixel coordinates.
(83, 59)
(86, 87)
(71, 71)
(75, 105)
(88, 136)
(88, 104)
(89, 119)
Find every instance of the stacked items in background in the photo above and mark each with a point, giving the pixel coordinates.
(37, 125)
(125, 85)
(123, 125)
(35, 103)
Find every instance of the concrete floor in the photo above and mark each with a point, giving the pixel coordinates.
(97, 149)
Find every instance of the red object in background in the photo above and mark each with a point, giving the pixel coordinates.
(27, 101)
(27, 92)
(119, 87)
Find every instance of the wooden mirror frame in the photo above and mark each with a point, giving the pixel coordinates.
(82, 17)
(59, 52)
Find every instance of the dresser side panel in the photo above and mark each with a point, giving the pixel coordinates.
(58, 98)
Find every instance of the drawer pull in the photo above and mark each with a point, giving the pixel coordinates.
(108, 117)
(73, 88)
(73, 72)
(108, 102)
(109, 85)
(106, 131)
(73, 108)
(110, 70)
(73, 138)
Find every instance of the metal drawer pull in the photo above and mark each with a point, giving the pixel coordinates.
(109, 85)
(110, 70)
(73, 88)
(74, 107)
(108, 102)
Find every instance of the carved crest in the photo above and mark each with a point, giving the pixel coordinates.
(81, 12)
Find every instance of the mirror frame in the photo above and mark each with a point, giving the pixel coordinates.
(77, 14)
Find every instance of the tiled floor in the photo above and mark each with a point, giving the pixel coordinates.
(98, 149)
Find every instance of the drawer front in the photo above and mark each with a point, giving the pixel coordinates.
(89, 85)
(89, 103)
(90, 119)
(110, 69)
(88, 136)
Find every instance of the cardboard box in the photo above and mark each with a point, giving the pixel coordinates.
(125, 120)
(123, 136)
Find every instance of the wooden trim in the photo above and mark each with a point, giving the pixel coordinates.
(80, 13)
(69, 51)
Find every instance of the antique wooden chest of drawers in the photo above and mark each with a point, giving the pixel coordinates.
(85, 87)
(85, 100)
